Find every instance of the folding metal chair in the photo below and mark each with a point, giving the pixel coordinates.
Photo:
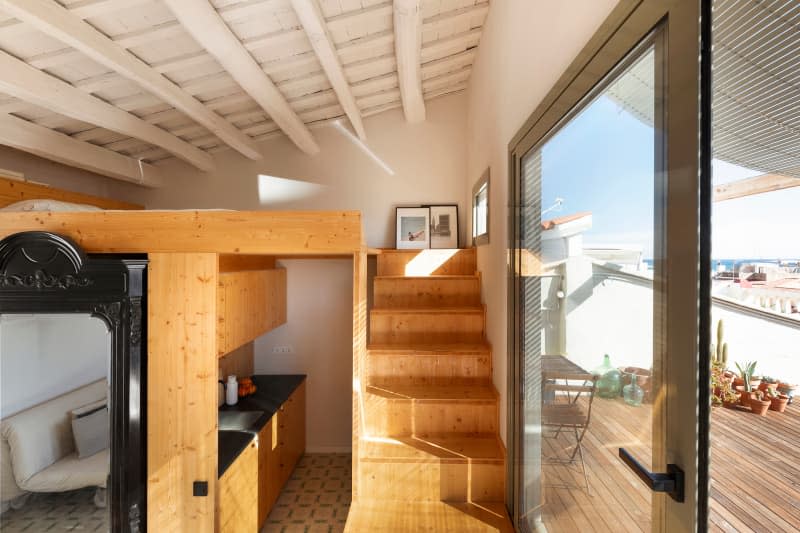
(569, 414)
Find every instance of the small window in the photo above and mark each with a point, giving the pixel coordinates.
(480, 210)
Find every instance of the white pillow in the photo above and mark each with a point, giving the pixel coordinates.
(90, 428)
(48, 205)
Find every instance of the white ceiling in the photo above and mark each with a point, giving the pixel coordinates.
(361, 31)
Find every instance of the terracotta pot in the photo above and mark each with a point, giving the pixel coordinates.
(744, 396)
(755, 383)
(738, 382)
(779, 404)
(763, 386)
(759, 407)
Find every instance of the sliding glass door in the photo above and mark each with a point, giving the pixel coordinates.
(605, 285)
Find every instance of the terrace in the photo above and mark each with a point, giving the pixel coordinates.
(755, 472)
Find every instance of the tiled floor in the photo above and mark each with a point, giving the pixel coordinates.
(316, 498)
(65, 511)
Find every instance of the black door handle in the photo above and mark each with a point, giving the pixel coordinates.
(670, 482)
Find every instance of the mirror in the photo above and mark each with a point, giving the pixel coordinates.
(55, 404)
(72, 368)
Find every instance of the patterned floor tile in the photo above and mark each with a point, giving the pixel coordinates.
(316, 499)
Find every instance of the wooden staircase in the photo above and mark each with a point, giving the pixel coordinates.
(429, 455)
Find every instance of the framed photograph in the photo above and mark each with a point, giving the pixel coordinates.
(413, 228)
(444, 226)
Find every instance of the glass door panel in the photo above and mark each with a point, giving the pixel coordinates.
(590, 240)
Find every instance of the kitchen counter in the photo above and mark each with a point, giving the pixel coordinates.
(272, 392)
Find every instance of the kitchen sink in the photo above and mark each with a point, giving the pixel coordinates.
(238, 420)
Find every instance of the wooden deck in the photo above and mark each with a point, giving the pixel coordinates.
(755, 473)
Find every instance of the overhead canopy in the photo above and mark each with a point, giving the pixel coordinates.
(756, 85)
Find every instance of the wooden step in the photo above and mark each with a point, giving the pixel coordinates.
(377, 516)
(427, 326)
(461, 262)
(457, 364)
(446, 468)
(430, 410)
(428, 291)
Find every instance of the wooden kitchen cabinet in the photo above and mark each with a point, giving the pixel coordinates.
(281, 443)
(268, 468)
(249, 304)
(292, 432)
(237, 494)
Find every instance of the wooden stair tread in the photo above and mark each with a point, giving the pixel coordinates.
(450, 393)
(427, 310)
(451, 449)
(431, 348)
(433, 517)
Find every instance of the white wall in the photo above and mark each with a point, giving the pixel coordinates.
(319, 329)
(525, 46)
(62, 176)
(426, 161)
(43, 356)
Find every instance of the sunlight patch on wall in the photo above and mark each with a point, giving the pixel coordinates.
(274, 191)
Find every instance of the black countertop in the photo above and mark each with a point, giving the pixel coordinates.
(272, 392)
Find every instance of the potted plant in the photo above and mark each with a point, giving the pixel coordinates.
(730, 398)
(788, 389)
(768, 382)
(777, 400)
(759, 404)
(745, 379)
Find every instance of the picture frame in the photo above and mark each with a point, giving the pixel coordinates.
(412, 228)
(444, 225)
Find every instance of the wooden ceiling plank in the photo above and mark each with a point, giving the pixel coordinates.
(49, 144)
(204, 24)
(408, 48)
(53, 19)
(755, 185)
(310, 16)
(32, 85)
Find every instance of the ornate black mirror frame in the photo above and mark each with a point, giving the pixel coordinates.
(47, 273)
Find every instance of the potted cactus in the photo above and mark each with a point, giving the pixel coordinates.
(745, 377)
(759, 404)
(777, 400)
(788, 389)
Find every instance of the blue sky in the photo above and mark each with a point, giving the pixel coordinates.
(602, 161)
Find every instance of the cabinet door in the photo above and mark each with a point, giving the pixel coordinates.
(237, 510)
(267, 470)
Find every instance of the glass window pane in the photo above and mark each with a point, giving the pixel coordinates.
(587, 309)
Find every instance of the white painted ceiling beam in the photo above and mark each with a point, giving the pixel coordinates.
(39, 88)
(55, 20)
(310, 16)
(408, 48)
(204, 24)
(55, 146)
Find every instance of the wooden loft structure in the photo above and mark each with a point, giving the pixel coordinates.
(203, 267)
(120, 87)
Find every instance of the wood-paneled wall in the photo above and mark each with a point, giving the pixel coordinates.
(12, 191)
(181, 391)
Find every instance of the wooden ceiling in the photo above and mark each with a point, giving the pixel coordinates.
(117, 86)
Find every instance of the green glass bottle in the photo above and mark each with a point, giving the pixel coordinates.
(609, 382)
(632, 392)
